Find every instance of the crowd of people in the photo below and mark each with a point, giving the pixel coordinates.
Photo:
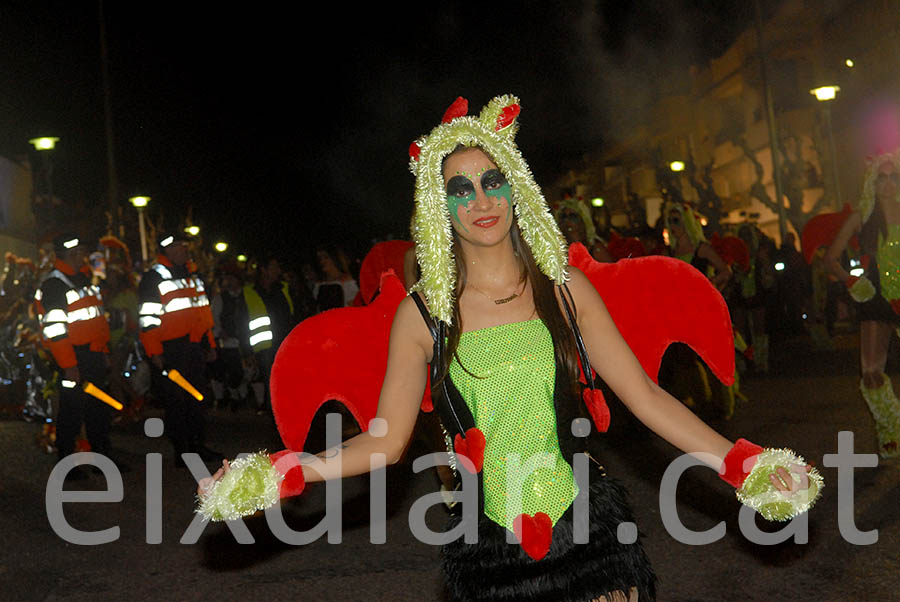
(85, 322)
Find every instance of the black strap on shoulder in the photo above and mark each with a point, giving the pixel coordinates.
(439, 335)
(417, 297)
(567, 299)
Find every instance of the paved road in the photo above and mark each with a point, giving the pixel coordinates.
(804, 403)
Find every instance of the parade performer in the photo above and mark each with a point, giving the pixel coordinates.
(76, 332)
(176, 331)
(574, 219)
(505, 321)
(690, 378)
(876, 221)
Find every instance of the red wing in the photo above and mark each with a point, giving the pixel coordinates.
(656, 301)
(339, 354)
(384, 256)
(821, 230)
(732, 250)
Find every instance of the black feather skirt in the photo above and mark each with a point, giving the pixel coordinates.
(494, 571)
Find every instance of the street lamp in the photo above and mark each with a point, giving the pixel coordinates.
(597, 202)
(676, 166)
(193, 230)
(140, 203)
(44, 145)
(242, 258)
(824, 94)
(221, 247)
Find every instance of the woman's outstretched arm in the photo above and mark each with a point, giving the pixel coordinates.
(620, 369)
(398, 406)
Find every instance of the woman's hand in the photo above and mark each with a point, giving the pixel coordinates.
(782, 481)
(204, 485)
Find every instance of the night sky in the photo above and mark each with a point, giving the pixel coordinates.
(285, 127)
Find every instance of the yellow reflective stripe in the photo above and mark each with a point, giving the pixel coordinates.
(148, 321)
(57, 329)
(258, 323)
(150, 308)
(179, 304)
(260, 337)
(55, 315)
(85, 313)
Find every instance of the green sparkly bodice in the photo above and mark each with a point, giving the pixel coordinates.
(888, 258)
(511, 399)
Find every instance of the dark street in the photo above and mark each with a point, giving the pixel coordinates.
(810, 397)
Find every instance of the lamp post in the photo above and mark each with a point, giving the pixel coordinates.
(44, 145)
(192, 230)
(825, 94)
(140, 203)
(221, 247)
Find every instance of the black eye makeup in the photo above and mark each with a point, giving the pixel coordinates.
(492, 179)
(460, 186)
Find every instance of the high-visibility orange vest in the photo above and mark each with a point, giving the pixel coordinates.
(79, 320)
(180, 309)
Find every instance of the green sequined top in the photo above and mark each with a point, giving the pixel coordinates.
(511, 400)
(888, 258)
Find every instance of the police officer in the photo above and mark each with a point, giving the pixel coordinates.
(176, 330)
(75, 330)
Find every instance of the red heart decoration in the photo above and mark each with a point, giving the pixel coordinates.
(596, 405)
(471, 448)
(534, 533)
(507, 116)
(459, 108)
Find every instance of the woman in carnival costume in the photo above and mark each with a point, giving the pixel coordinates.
(504, 322)
(687, 243)
(574, 219)
(876, 222)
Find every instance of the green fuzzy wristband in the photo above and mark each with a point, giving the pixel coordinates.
(759, 493)
(862, 290)
(252, 484)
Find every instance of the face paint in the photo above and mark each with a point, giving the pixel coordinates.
(496, 187)
(460, 192)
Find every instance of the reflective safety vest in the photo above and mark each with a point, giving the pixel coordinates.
(259, 322)
(78, 320)
(181, 309)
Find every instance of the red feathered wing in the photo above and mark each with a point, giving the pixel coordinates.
(656, 301)
(732, 250)
(339, 354)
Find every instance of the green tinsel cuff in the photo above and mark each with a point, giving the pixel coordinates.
(759, 493)
(252, 484)
(862, 290)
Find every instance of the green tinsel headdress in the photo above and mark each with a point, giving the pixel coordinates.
(580, 208)
(494, 132)
(867, 198)
(688, 218)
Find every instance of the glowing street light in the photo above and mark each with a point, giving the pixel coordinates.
(825, 94)
(849, 62)
(242, 258)
(44, 143)
(597, 202)
(221, 247)
(140, 203)
(193, 230)
(676, 166)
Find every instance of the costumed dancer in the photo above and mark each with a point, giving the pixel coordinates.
(876, 221)
(692, 381)
(574, 218)
(505, 322)
(755, 287)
